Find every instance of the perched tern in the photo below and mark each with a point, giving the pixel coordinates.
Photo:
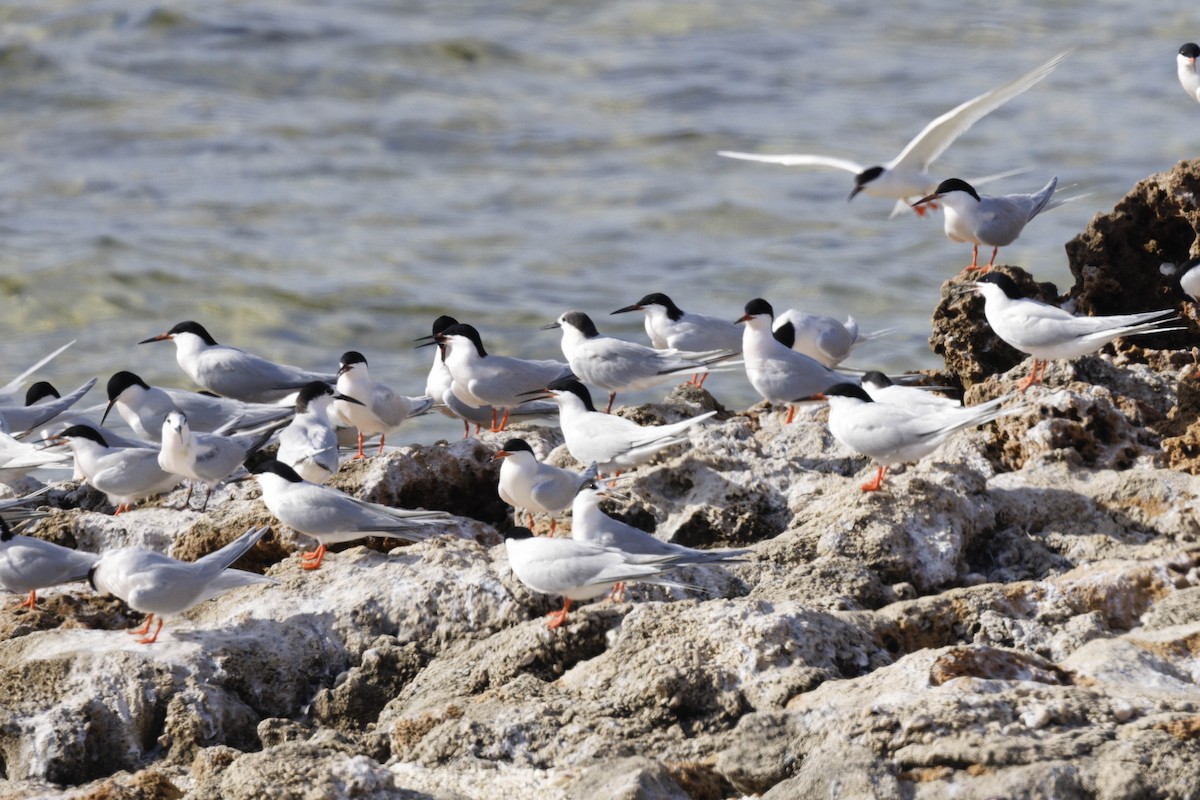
(206, 457)
(820, 337)
(28, 564)
(533, 485)
(990, 220)
(480, 379)
(158, 585)
(613, 443)
(907, 176)
(438, 386)
(126, 475)
(309, 443)
(578, 570)
(1185, 64)
(144, 407)
(671, 328)
(11, 392)
(777, 372)
(19, 418)
(1047, 332)
(616, 365)
(331, 516)
(590, 524)
(892, 434)
(230, 372)
(883, 390)
(371, 406)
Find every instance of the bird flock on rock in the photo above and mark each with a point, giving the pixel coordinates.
(792, 359)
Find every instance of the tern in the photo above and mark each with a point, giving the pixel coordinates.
(144, 407)
(309, 443)
(671, 328)
(883, 390)
(578, 570)
(821, 337)
(126, 475)
(590, 524)
(1185, 64)
(534, 485)
(20, 418)
(230, 372)
(892, 434)
(158, 585)
(206, 457)
(331, 516)
(10, 393)
(1047, 332)
(480, 379)
(777, 372)
(438, 384)
(613, 443)
(28, 564)
(989, 220)
(616, 365)
(907, 175)
(371, 406)
(1188, 277)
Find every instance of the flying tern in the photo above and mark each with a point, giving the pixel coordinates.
(777, 372)
(1047, 332)
(126, 475)
(990, 220)
(160, 586)
(144, 407)
(1185, 64)
(230, 372)
(907, 175)
(309, 443)
(892, 434)
(616, 365)
(481, 379)
(375, 407)
(331, 516)
(206, 457)
(612, 442)
(28, 564)
(534, 485)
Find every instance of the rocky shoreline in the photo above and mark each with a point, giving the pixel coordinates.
(1016, 616)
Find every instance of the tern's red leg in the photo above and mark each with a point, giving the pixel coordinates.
(120, 508)
(466, 429)
(154, 638)
(557, 618)
(142, 631)
(504, 420)
(493, 429)
(618, 592)
(31, 601)
(877, 484)
(360, 453)
(382, 439)
(974, 259)
(1033, 376)
(529, 520)
(608, 408)
(312, 560)
(791, 414)
(991, 263)
(553, 526)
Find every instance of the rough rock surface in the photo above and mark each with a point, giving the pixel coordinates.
(1017, 615)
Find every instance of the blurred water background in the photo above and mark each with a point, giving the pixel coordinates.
(306, 178)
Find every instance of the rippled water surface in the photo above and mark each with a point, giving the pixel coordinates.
(307, 178)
